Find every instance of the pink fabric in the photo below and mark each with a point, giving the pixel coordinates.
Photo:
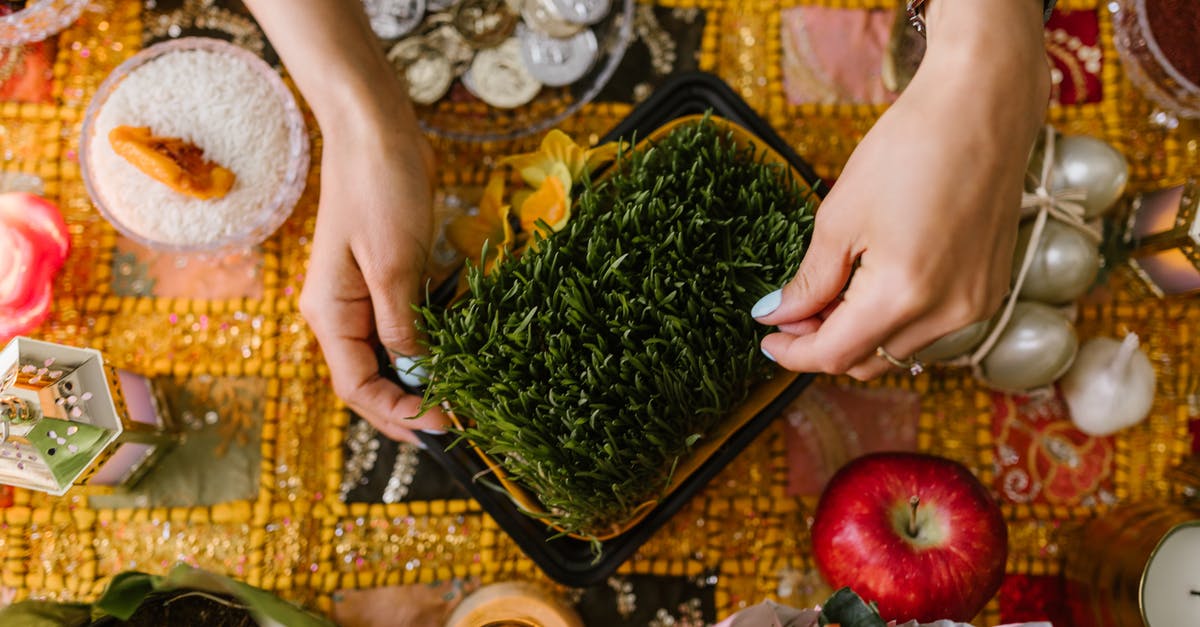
(835, 55)
(830, 425)
(207, 277)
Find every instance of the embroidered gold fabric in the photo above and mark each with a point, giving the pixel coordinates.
(297, 538)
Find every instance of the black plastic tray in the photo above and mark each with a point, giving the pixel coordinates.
(567, 560)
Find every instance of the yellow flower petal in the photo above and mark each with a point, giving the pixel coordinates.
(556, 148)
(600, 155)
(493, 196)
(549, 204)
(470, 233)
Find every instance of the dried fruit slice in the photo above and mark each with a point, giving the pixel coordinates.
(176, 163)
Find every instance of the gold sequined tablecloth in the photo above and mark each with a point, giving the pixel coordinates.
(297, 538)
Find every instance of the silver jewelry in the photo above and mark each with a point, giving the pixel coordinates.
(915, 15)
(912, 364)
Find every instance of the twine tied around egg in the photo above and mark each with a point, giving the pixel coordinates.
(1064, 205)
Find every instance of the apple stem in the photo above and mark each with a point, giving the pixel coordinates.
(912, 516)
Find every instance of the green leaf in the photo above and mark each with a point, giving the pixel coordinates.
(125, 594)
(128, 591)
(847, 609)
(45, 614)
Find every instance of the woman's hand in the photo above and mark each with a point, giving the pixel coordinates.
(375, 223)
(374, 229)
(923, 221)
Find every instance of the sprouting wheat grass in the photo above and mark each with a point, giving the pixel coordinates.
(592, 363)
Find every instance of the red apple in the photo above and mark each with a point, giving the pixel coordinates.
(917, 534)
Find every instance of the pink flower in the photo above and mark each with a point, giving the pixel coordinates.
(33, 246)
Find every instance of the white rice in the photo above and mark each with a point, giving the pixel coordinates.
(215, 101)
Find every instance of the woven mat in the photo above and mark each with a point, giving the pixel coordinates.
(742, 538)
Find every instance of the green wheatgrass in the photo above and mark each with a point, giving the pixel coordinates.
(591, 364)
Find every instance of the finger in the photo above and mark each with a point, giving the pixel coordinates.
(394, 287)
(822, 276)
(404, 429)
(810, 325)
(843, 340)
(804, 327)
(341, 327)
(357, 380)
(903, 346)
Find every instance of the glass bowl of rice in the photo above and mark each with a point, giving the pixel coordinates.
(226, 101)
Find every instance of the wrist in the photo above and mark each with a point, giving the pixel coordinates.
(363, 104)
(985, 29)
(997, 46)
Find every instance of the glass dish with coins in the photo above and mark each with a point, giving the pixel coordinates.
(488, 70)
(25, 21)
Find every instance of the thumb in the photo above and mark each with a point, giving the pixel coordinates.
(822, 276)
(393, 294)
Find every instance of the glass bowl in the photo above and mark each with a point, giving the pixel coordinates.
(1148, 64)
(39, 20)
(461, 116)
(270, 215)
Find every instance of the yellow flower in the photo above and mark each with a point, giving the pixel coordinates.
(489, 227)
(558, 149)
(550, 202)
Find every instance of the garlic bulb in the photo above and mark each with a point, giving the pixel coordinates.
(1110, 386)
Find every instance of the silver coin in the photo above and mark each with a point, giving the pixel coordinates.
(557, 62)
(452, 45)
(543, 16)
(434, 6)
(426, 70)
(393, 19)
(583, 11)
(499, 77)
(485, 23)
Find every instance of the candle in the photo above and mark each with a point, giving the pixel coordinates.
(1135, 565)
(1163, 231)
(67, 419)
(33, 245)
(1171, 585)
(130, 459)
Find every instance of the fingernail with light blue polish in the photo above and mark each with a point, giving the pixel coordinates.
(410, 373)
(764, 351)
(767, 304)
(433, 431)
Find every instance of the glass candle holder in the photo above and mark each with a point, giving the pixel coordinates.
(1135, 566)
(1163, 231)
(67, 418)
(1156, 41)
